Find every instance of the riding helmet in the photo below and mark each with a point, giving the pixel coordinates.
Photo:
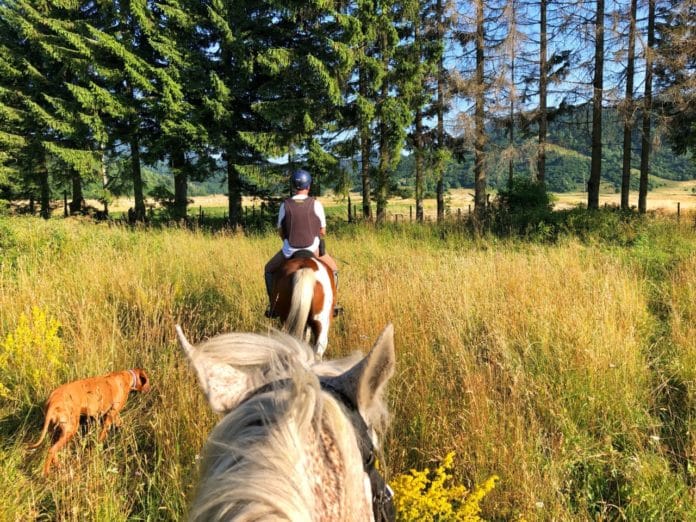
(301, 179)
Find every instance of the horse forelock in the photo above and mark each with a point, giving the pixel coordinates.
(287, 453)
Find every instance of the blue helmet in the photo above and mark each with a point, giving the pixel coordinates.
(301, 179)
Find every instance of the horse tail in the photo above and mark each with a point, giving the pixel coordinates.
(303, 282)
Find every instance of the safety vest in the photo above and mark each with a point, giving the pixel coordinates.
(301, 225)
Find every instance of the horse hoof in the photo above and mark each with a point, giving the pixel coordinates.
(338, 310)
(271, 314)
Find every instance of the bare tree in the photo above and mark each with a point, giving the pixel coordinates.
(628, 108)
(647, 112)
(598, 89)
(543, 82)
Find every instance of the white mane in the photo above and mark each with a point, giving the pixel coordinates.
(286, 452)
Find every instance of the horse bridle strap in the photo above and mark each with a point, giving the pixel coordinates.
(382, 495)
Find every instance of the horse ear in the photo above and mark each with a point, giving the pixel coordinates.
(223, 385)
(364, 382)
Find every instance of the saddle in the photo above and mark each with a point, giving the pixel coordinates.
(302, 254)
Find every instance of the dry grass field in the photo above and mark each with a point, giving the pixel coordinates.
(663, 199)
(565, 368)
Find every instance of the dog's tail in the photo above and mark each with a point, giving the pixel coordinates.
(47, 423)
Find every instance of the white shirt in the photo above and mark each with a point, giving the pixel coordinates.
(288, 251)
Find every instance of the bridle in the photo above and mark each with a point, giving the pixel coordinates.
(382, 495)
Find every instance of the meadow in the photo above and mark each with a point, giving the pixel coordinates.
(567, 368)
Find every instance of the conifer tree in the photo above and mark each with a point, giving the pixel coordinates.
(444, 20)
(360, 93)
(56, 131)
(173, 28)
(675, 70)
(423, 59)
(393, 114)
(275, 81)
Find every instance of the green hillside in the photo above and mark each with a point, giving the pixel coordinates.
(568, 157)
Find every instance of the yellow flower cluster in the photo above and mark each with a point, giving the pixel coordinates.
(30, 355)
(430, 496)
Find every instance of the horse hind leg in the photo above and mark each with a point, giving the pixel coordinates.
(321, 337)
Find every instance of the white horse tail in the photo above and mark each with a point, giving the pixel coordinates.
(303, 282)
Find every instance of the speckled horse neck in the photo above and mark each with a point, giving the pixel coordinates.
(287, 446)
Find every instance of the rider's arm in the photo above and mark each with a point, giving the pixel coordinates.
(281, 217)
(319, 211)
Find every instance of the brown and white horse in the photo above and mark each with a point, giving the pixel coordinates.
(304, 296)
(297, 438)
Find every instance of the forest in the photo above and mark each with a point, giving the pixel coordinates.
(380, 97)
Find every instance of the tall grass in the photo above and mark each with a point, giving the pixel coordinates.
(545, 365)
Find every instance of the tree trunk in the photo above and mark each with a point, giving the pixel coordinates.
(418, 144)
(479, 115)
(105, 181)
(440, 172)
(513, 50)
(647, 113)
(383, 164)
(178, 160)
(234, 191)
(139, 214)
(598, 86)
(44, 188)
(77, 198)
(365, 152)
(628, 117)
(543, 82)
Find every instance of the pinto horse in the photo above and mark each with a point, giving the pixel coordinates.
(297, 438)
(304, 296)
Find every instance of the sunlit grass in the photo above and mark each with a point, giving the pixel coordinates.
(534, 363)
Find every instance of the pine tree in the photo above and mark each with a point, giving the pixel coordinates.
(393, 114)
(276, 74)
(419, 60)
(172, 28)
(56, 131)
(675, 71)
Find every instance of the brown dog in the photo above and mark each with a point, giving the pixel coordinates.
(94, 397)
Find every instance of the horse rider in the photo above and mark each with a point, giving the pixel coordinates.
(301, 224)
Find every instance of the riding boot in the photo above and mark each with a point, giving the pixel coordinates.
(268, 277)
(337, 309)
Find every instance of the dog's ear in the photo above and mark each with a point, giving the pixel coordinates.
(143, 380)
